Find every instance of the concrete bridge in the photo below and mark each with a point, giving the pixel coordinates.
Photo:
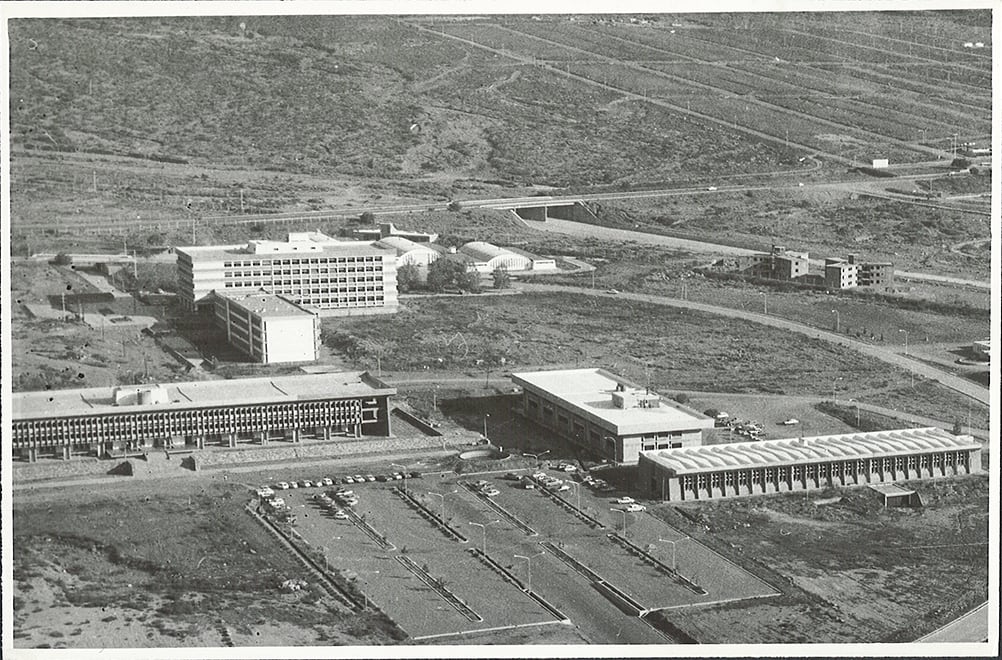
(542, 208)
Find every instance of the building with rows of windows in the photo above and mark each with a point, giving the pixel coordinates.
(606, 414)
(268, 328)
(336, 278)
(130, 419)
(777, 466)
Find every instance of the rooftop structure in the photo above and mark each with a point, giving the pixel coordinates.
(409, 252)
(608, 414)
(387, 229)
(486, 258)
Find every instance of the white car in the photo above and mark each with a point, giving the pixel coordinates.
(349, 480)
(712, 188)
(282, 485)
(634, 508)
(625, 500)
(793, 421)
(490, 492)
(340, 515)
(564, 487)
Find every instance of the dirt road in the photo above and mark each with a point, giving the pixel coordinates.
(886, 355)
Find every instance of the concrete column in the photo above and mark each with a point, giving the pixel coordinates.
(66, 452)
(295, 435)
(263, 437)
(231, 440)
(200, 441)
(327, 433)
(32, 454)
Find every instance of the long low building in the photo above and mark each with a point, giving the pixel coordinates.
(607, 414)
(130, 419)
(777, 466)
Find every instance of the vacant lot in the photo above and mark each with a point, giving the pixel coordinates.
(853, 570)
(88, 573)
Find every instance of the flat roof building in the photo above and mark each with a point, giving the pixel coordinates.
(775, 466)
(336, 278)
(105, 421)
(269, 328)
(607, 414)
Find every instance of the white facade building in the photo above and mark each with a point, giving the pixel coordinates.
(269, 328)
(310, 269)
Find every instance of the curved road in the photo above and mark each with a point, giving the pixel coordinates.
(886, 355)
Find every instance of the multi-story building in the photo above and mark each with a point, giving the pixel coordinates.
(777, 466)
(778, 264)
(269, 328)
(840, 274)
(336, 278)
(131, 419)
(874, 273)
(606, 414)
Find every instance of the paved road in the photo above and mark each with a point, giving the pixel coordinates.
(570, 228)
(970, 627)
(887, 355)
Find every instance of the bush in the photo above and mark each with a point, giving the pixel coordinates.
(454, 206)
(367, 218)
(711, 412)
(681, 397)
(62, 259)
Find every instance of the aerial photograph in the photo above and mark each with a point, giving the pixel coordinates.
(588, 334)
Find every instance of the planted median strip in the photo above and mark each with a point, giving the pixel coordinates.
(369, 530)
(429, 515)
(439, 587)
(657, 563)
(507, 575)
(620, 598)
(500, 510)
(594, 522)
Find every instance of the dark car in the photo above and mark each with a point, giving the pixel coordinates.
(414, 475)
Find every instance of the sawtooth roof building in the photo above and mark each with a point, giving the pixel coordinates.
(127, 420)
(775, 466)
(608, 415)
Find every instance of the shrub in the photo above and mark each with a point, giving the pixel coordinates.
(681, 397)
(62, 259)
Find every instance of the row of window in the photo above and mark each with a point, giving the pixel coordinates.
(372, 268)
(191, 421)
(302, 260)
(813, 471)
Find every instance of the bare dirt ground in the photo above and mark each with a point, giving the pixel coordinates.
(850, 570)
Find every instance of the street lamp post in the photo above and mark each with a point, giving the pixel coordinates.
(528, 564)
(442, 497)
(672, 552)
(577, 489)
(906, 339)
(834, 396)
(483, 528)
(536, 456)
(857, 411)
(765, 302)
(837, 320)
(622, 511)
(486, 415)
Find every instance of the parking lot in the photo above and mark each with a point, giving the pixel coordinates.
(517, 548)
(412, 604)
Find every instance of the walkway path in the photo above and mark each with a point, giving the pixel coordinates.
(887, 355)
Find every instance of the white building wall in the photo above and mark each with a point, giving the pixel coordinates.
(290, 340)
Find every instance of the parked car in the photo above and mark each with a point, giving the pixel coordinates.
(528, 485)
(340, 515)
(414, 475)
(282, 485)
(490, 492)
(349, 480)
(793, 421)
(293, 484)
(369, 477)
(481, 483)
(634, 508)
(382, 477)
(326, 481)
(306, 483)
(511, 476)
(359, 478)
(397, 476)
(625, 500)
(563, 487)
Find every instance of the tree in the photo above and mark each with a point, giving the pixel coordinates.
(443, 273)
(454, 206)
(711, 412)
(502, 280)
(62, 259)
(367, 218)
(682, 398)
(408, 277)
(468, 280)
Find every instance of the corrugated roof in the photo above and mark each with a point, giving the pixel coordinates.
(483, 251)
(200, 394)
(806, 450)
(401, 245)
